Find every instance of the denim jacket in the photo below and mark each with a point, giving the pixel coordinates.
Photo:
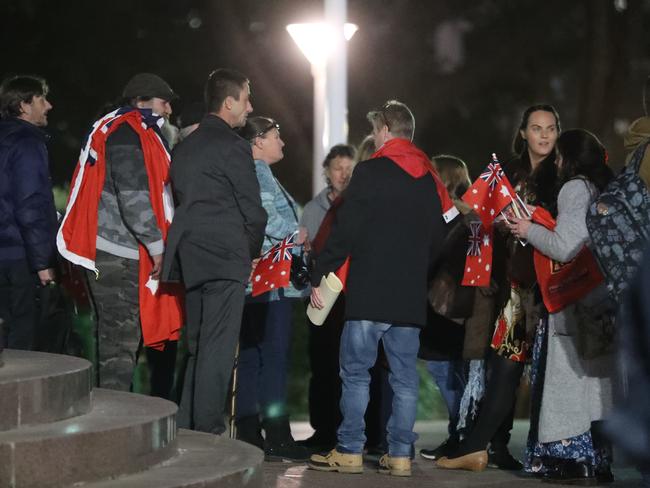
(282, 220)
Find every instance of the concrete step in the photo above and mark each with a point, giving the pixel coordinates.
(37, 387)
(202, 460)
(123, 433)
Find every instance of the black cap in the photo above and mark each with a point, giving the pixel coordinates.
(148, 85)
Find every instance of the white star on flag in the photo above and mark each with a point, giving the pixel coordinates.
(486, 240)
(504, 191)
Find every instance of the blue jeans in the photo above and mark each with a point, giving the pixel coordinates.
(358, 354)
(450, 380)
(264, 359)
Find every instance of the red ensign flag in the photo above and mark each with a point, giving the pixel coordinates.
(274, 269)
(478, 264)
(490, 193)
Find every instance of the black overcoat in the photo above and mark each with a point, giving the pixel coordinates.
(391, 226)
(219, 220)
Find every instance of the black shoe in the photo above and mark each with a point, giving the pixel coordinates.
(443, 450)
(500, 458)
(318, 442)
(249, 430)
(279, 446)
(604, 475)
(569, 472)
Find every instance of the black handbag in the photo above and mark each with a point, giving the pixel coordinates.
(300, 271)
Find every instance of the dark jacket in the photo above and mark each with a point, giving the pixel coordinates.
(219, 222)
(391, 226)
(27, 214)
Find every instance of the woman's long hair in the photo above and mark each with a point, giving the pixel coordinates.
(453, 173)
(583, 155)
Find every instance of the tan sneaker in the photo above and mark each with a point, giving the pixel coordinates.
(337, 461)
(396, 466)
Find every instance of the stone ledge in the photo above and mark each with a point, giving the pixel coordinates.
(123, 433)
(37, 388)
(202, 461)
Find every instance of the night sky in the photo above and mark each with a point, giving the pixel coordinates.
(467, 68)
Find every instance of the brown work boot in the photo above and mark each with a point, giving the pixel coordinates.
(337, 461)
(396, 466)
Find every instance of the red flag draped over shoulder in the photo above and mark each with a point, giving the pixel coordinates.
(416, 163)
(562, 284)
(161, 308)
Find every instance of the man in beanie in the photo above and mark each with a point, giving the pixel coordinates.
(116, 225)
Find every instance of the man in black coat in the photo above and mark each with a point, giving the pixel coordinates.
(216, 233)
(391, 226)
(27, 214)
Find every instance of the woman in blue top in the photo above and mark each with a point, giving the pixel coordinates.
(266, 324)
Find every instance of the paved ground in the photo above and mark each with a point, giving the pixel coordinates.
(278, 475)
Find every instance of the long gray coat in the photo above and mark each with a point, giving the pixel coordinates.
(576, 391)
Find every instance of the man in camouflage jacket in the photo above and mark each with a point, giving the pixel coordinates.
(125, 219)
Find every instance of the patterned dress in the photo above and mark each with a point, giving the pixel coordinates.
(538, 457)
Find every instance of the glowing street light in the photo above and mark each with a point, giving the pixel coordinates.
(324, 46)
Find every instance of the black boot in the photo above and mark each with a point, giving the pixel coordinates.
(249, 430)
(278, 443)
(319, 442)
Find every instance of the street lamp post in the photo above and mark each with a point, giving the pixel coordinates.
(324, 46)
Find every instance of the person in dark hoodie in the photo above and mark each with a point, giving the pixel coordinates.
(27, 213)
(391, 226)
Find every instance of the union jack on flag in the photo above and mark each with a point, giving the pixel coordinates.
(282, 251)
(492, 174)
(475, 239)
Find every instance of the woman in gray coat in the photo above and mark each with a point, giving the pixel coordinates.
(576, 392)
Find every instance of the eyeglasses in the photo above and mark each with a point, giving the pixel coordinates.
(271, 125)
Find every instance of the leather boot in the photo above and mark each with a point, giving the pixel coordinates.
(249, 430)
(278, 442)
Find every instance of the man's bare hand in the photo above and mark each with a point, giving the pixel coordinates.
(46, 276)
(157, 266)
(316, 298)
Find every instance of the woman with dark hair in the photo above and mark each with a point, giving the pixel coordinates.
(576, 386)
(533, 175)
(266, 323)
(441, 340)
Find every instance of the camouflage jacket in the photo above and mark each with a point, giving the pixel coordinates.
(125, 216)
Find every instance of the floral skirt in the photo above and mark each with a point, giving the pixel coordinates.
(579, 448)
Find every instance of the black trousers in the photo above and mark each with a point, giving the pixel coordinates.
(325, 383)
(495, 415)
(18, 310)
(214, 314)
